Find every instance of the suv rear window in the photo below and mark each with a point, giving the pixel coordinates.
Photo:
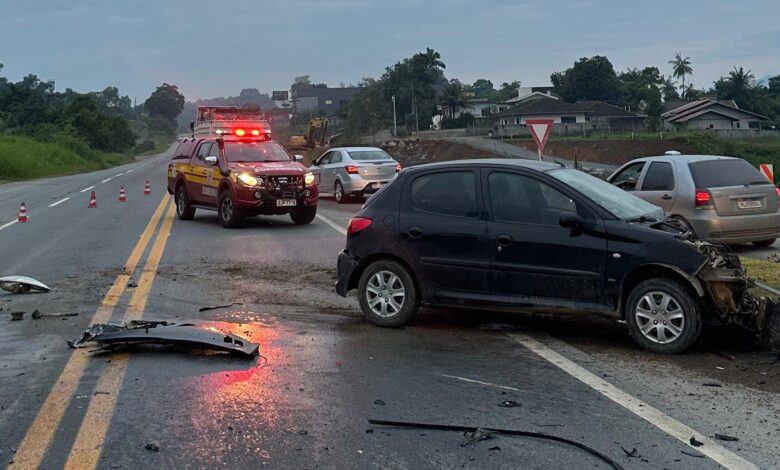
(720, 173)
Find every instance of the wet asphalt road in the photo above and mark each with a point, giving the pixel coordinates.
(324, 371)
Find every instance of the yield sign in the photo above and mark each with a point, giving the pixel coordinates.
(540, 131)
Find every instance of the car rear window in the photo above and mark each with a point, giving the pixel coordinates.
(720, 173)
(368, 155)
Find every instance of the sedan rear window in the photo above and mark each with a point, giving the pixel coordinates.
(367, 155)
(721, 173)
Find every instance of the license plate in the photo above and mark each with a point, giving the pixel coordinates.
(285, 203)
(754, 204)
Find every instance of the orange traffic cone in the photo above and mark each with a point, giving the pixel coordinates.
(22, 213)
(122, 195)
(92, 200)
(147, 189)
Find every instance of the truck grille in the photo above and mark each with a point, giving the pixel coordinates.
(285, 186)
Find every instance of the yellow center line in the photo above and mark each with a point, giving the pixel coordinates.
(41, 433)
(88, 445)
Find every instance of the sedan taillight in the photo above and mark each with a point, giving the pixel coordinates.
(356, 224)
(351, 169)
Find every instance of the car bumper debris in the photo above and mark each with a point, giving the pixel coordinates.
(22, 284)
(160, 332)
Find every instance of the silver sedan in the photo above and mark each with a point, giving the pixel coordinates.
(353, 171)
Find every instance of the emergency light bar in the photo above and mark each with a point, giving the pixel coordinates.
(220, 121)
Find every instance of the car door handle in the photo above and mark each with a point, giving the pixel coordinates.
(415, 232)
(504, 240)
(666, 197)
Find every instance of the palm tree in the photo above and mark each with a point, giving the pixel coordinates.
(680, 68)
(669, 88)
(452, 98)
(740, 80)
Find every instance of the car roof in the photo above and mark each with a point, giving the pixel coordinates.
(505, 162)
(684, 158)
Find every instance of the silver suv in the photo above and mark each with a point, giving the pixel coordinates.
(353, 171)
(720, 199)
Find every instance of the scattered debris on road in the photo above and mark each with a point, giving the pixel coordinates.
(36, 315)
(476, 431)
(509, 404)
(16, 316)
(773, 257)
(696, 443)
(22, 284)
(478, 435)
(154, 446)
(633, 453)
(203, 309)
(160, 332)
(379, 402)
(726, 437)
(131, 284)
(712, 384)
(693, 454)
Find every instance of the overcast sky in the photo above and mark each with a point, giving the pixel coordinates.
(215, 48)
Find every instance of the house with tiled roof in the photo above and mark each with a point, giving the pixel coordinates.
(605, 117)
(710, 114)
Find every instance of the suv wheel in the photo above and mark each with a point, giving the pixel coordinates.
(229, 215)
(663, 316)
(387, 294)
(338, 193)
(304, 215)
(183, 209)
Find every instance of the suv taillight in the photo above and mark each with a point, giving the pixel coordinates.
(703, 199)
(351, 169)
(356, 224)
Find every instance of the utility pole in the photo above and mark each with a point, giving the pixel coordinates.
(414, 110)
(395, 121)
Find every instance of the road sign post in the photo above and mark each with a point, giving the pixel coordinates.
(540, 131)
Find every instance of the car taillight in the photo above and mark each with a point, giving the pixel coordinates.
(703, 198)
(777, 191)
(351, 169)
(356, 224)
(398, 168)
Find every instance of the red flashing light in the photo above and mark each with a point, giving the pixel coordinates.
(703, 198)
(351, 169)
(356, 224)
(398, 168)
(255, 132)
(239, 132)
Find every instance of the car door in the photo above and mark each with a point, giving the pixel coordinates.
(318, 168)
(532, 256)
(443, 230)
(657, 185)
(204, 190)
(334, 167)
(627, 177)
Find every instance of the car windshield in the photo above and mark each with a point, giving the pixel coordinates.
(722, 173)
(253, 151)
(619, 203)
(368, 155)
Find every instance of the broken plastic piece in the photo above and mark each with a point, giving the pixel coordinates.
(22, 284)
(161, 332)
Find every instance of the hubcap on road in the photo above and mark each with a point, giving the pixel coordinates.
(385, 294)
(227, 208)
(660, 317)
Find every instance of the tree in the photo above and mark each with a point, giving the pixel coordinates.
(483, 88)
(680, 68)
(452, 98)
(165, 101)
(591, 78)
(635, 84)
(669, 89)
(507, 91)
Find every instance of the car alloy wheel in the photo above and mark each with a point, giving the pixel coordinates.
(183, 209)
(338, 192)
(226, 208)
(660, 317)
(385, 294)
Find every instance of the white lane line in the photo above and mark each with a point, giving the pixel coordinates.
(479, 382)
(106, 180)
(5, 226)
(655, 417)
(333, 224)
(59, 202)
(86, 189)
(118, 175)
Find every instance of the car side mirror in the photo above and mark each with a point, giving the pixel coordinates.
(299, 158)
(211, 160)
(571, 221)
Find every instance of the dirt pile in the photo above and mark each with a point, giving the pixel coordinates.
(412, 152)
(614, 152)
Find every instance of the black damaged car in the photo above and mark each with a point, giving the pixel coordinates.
(535, 236)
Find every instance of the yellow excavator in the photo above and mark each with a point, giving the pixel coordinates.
(316, 135)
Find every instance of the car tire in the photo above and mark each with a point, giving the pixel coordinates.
(382, 279)
(184, 210)
(304, 215)
(765, 243)
(229, 215)
(338, 193)
(663, 316)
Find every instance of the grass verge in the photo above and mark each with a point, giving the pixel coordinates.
(764, 271)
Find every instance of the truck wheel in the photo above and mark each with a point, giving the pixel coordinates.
(304, 215)
(387, 294)
(663, 316)
(229, 214)
(338, 193)
(183, 209)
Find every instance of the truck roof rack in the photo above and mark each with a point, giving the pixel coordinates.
(218, 121)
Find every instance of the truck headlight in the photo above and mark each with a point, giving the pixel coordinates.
(308, 178)
(247, 179)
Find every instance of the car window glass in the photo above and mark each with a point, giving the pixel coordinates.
(335, 157)
(723, 173)
(518, 198)
(628, 176)
(659, 177)
(325, 159)
(203, 150)
(450, 193)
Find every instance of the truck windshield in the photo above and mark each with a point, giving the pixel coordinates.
(619, 203)
(253, 151)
